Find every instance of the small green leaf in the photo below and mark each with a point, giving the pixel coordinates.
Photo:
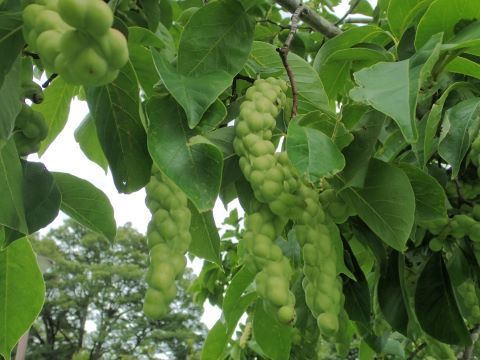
(195, 168)
(460, 126)
(386, 203)
(41, 197)
(216, 342)
(86, 136)
(22, 292)
(116, 110)
(205, 240)
(435, 305)
(274, 339)
(86, 204)
(12, 213)
(313, 153)
(55, 109)
(390, 295)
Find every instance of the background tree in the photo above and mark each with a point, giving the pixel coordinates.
(96, 283)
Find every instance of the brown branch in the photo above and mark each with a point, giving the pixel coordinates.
(283, 51)
(349, 11)
(467, 354)
(49, 80)
(311, 18)
(248, 79)
(31, 54)
(359, 20)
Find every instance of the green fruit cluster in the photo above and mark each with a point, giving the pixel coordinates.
(30, 129)
(456, 227)
(74, 38)
(276, 183)
(168, 239)
(266, 259)
(469, 298)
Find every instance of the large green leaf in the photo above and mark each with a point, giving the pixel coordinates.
(205, 240)
(443, 16)
(386, 203)
(216, 342)
(435, 305)
(401, 13)
(274, 338)
(12, 212)
(86, 204)
(390, 295)
(9, 102)
(217, 37)
(41, 196)
(11, 40)
(55, 109)
(313, 153)
(392, 88)
(311, 95)
(430, 197)
(116, 110)
(195, 167)
(86, 136)
(194, 93)
(22, 291)
(461, 65)
(460, 126)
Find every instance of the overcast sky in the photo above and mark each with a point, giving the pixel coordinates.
(65, 155)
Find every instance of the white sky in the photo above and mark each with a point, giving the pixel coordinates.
(65, 155)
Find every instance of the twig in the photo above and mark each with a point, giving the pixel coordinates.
(283, 51)
(31, 54)
(417, 350)
(283, 27)
(467, 354)
(312, 18)
(349, 11)
(49, 80)
(359, 20)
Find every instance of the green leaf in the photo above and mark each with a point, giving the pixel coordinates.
(217, 37)
(55, 109)
(435, 305)
(194, 94)
(87, 138)
(195, 168)
(433, 119)
(430, 197)
(86, 204)
(390, 295)
(461, 65)
(116, 110)
(460, 126)
(22, 293)
(401, 13)
(216, 342)
(11, 40)
(236, 302)
(12, 212)
(311, 95)
(41, 197)
(386, 203)
(392, 88)
(329, 125)
(213, 117)
(313, 153)
(443, 16)
(274, 338)
(205, 240)
(10, 103)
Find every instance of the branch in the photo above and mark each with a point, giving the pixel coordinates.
(283, 51)
(248, 79)
(349, 11)
(359, 20)
(49, 80)
(467, 354)
(312, 18)
(417, 350)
